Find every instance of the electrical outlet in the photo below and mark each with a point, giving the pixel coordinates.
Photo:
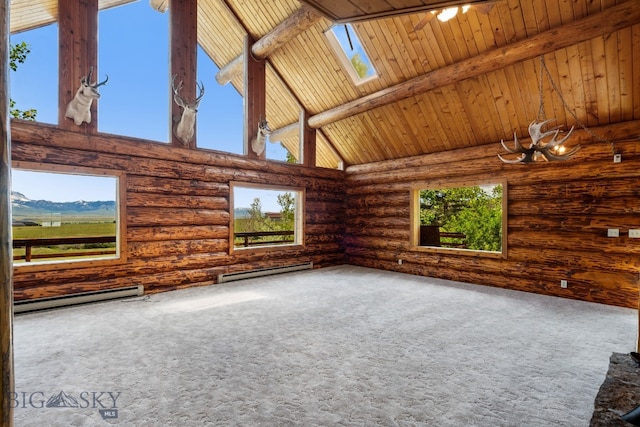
(399, 262)
(617, 158)
(634, 233)
(613, 232)
(563, 283)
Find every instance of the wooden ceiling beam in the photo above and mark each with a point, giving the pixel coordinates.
(299, 21)
(606, 22)
(616, 132)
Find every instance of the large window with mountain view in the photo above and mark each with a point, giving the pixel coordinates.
(468, 218)
(65, 215)
(265, 216)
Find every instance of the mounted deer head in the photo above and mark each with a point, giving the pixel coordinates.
(79, 108)
(539, 150)
(258, 143)
(185, 128)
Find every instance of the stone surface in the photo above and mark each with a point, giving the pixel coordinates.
(619, 393)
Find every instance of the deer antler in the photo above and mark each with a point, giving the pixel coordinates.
(103, 82)
(538, 148)
(176, 91)
(200, 92)
(88, 77)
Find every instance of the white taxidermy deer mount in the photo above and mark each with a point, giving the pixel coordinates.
(185, 127)
(79, 108)
(159, 5)
(258, 143)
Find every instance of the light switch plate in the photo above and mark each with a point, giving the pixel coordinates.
(613, 232)
(634, 233)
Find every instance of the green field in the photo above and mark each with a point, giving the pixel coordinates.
(65, 230)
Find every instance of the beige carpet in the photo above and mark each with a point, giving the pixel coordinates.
(342, 346)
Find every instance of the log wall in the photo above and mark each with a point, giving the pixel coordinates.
(558, 216)
(177, 211)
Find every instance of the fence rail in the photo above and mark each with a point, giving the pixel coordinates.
(250, 238)
(453, 239)
(28, 244)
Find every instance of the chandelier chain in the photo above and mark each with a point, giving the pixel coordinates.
(543, 66)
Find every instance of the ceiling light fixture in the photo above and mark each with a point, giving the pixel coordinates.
(447, 14)
(549, 150)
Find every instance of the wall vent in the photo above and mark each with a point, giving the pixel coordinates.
(79, 298)
(229, 277)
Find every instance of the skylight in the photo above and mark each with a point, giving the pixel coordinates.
(351, 53)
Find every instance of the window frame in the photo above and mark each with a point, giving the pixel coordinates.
(121, 225)
(299, 235)
(343, 58)
(414, 238)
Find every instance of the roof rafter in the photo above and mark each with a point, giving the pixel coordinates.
(301, 20)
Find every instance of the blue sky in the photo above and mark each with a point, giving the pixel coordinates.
(134, 53)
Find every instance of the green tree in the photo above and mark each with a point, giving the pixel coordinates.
(257, 219)
(290, 158)
(468, 210)
(438, 206)
(288, 211)
(361, 68)
(17, 55)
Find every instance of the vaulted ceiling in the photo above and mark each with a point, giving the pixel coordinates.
(469, 81)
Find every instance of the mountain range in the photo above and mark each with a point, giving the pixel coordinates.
(23, 207)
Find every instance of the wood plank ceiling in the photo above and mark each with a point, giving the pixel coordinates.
(359, 10)
(598, 77)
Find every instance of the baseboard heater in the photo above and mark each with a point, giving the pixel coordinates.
(229, 277)
(78, 298)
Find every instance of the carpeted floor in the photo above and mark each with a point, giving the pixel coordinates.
(341, 346)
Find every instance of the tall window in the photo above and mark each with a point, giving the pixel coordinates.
(469, 218)
(64, 215)
(134, 52)
(220, 122)
(266, 216)
(34, 83)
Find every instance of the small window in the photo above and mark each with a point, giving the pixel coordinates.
(266, 216)
(469, 218)
(354, 58)
(65, 216)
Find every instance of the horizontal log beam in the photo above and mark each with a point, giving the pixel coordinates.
(231, 70)
(613, 132)
(606, 22)
(283, 133)
(299, 21)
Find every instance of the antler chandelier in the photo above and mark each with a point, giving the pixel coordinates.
(542, 148)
